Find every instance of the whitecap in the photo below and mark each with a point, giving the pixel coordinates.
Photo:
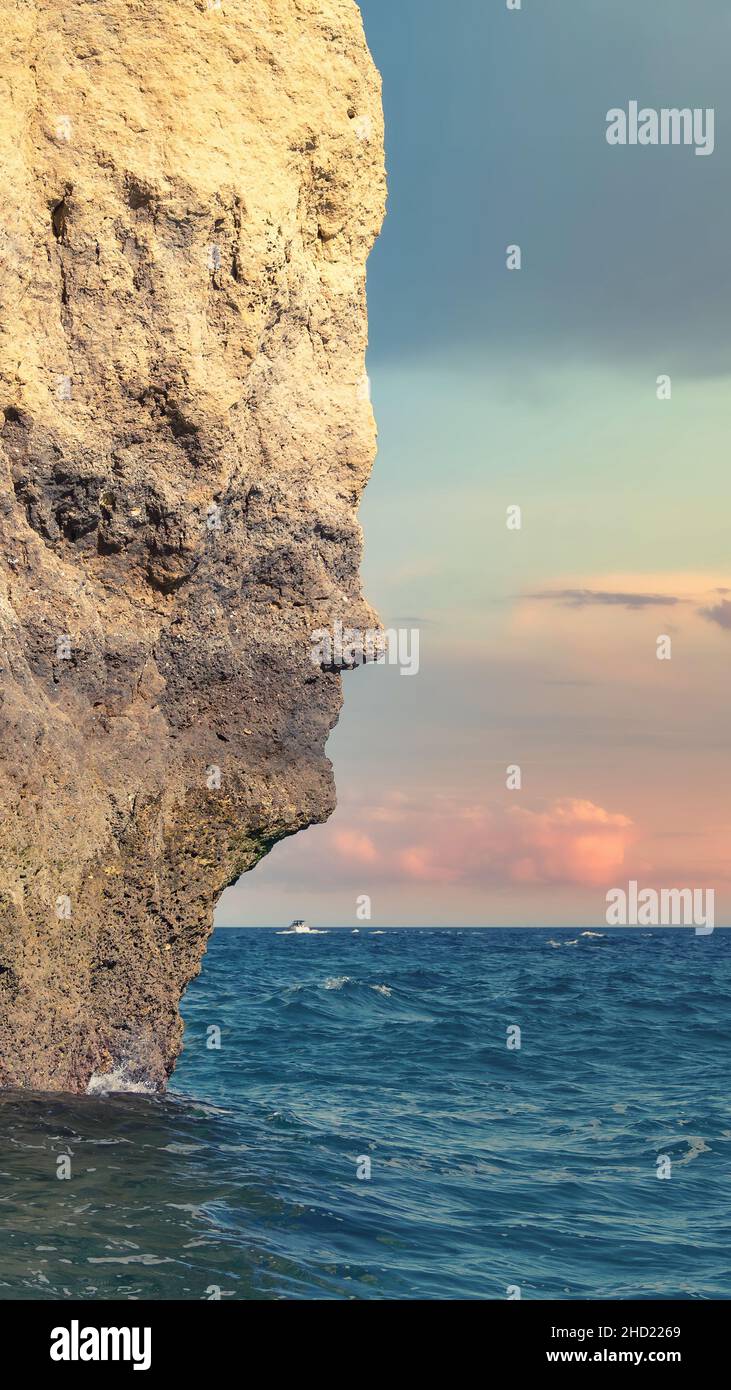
(129, 1260)
(697, 1146)
(104, 1083)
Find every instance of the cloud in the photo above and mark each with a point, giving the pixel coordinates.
(354, 847)
(720, 614)
(571, 842)
(585, 598)
(441, 840)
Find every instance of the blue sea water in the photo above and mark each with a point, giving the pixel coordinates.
(490, 1166)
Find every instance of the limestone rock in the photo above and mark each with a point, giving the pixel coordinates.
(191, 190)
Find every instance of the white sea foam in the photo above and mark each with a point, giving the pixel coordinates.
(302, 931)
(129, 1260)
(697, 1146)
(104, 1083)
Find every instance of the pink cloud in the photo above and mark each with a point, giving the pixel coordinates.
(441, 840)
(418, 863)
(572, 842)
(354, 847)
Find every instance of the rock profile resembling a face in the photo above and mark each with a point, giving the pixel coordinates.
(191, 191)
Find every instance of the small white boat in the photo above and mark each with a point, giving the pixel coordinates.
(300, 928)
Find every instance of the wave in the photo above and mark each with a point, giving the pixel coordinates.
(624, 1058)
(339, 982)
(120, 1080)
(294, 931)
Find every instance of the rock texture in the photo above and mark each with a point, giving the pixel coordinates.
(190, 193)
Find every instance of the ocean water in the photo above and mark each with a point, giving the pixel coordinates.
(490, 1167)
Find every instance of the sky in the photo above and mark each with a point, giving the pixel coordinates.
(538, 388)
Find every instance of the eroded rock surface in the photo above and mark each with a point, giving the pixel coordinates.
(190, 193)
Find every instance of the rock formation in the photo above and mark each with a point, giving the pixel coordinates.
(191, 190)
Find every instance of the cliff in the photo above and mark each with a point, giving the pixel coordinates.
(191, 190)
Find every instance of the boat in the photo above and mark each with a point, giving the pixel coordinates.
(300, 928)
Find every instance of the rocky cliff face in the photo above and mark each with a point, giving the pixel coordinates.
(191, 190)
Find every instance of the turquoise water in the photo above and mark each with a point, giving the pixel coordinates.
(489, 1166)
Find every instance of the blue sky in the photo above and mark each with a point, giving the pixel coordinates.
(539, 388)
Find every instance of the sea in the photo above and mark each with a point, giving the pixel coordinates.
(400, 1114)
